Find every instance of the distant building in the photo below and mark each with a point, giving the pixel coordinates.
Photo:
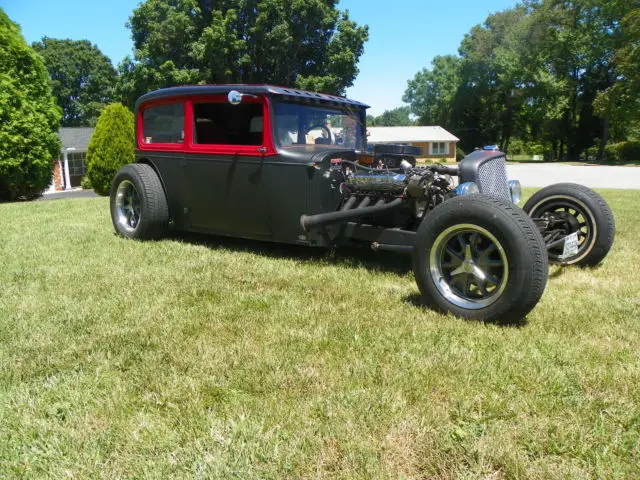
(435, 141)
(71, 166)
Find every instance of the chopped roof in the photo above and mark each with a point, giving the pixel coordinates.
(285, 92)
(75, 137)
(409, 134)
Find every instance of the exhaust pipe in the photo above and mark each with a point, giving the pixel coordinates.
(314, 221)
(349, 203)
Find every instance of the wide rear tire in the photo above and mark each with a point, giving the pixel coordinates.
(138, 203)
(480, 258)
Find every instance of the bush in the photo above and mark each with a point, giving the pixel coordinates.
(629, 151)
(85, 183)
(29, 118)
(611, 153)
(459, 154)
(110, 147)
(516, 147)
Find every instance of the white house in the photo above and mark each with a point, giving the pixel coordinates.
(70, 167)
(435, 141)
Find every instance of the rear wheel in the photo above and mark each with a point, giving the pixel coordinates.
(138, 203)
(480, 258)
(571, 208)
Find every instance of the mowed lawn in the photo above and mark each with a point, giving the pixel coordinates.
(205, 357)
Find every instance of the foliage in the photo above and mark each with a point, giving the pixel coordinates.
(111, 146)
(82, 78)
(612, 153)
(85, 183)
(546, 71)
(432, 92)
(629, 151)
(622, 152)
(198, 357)
(397, 117)
(459, 154)
(29, 118)
(621, 100)
(309, 44)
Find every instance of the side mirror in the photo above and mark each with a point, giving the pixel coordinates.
(235, 97)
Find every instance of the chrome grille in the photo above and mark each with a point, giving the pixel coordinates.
(492, 179)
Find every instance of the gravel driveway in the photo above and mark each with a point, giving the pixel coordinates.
(595, 176)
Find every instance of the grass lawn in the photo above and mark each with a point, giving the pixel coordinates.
(200, 357)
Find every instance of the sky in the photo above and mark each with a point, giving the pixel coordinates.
(404, 36)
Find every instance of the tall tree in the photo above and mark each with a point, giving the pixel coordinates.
(82, 78)
(431, 92)
(620, 102)
(303, 43)
(29, 117)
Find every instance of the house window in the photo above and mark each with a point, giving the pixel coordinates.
(163, 124)
(439, 148)
(226, 124)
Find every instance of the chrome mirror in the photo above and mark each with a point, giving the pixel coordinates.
(234, 97)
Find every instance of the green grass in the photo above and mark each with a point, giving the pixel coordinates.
(218, 358)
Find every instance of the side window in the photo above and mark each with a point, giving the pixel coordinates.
(226, 124)
(163, 124)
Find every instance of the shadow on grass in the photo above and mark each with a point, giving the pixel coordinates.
(352, 256)
(416, 300)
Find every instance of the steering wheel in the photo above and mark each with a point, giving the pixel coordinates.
(322, 127)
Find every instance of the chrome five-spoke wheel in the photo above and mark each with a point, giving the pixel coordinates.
(127, 206)
(469, 266)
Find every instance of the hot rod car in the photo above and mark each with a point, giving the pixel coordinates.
(286, 165)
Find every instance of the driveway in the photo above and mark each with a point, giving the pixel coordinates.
(596, 176)
(75, 193)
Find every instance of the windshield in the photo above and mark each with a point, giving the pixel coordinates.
(298, 124)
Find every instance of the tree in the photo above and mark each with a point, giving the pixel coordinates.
(308, 44)
(431, 93)
(111, 146)
(397, 117)
(553, 72)
(82, 78)
(620, 102)
(29, 117)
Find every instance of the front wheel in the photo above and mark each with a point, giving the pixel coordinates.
(138, 203)
(569, 208)
(480, 258)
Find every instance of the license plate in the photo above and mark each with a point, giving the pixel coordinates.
(570, 246)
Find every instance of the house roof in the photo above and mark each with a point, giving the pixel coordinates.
(75, 137)
(409, 134)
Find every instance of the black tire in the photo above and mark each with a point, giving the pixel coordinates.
(138, 203)
(593, 218)
(517, 265)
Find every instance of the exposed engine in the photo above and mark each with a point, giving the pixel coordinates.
(422, 187)
(401, 195)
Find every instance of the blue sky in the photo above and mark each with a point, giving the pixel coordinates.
(404, 35)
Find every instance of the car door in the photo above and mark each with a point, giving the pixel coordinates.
(224, 167)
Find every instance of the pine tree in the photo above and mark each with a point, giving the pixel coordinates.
(110, 147)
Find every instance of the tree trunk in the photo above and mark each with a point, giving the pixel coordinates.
(604, 138)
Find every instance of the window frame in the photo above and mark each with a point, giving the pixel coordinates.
(267, 147)
(445, 150)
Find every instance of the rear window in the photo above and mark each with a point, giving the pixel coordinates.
(163, 124)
